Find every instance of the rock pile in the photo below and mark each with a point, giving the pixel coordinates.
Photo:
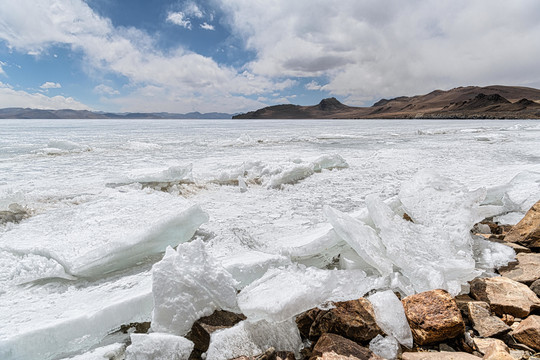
(498, 319)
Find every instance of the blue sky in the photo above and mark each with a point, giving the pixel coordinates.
(240, 55)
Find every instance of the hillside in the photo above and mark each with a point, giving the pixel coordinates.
(471, 102)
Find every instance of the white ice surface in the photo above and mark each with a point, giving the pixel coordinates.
(386, 347)
(110, 352)
(158, 346)
(511, 218)
(381, 156)
(253, 338)
(390, 316)
(188, 284)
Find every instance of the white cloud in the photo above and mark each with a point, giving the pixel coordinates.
(2, 72)
(313, 85)
(191, 9)
(207, 26)
(50, 85)
(179, 18)
(105, 90)
(18, 98)
(390, 47)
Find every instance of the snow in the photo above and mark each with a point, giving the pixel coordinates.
(157, 346)
(290, 176)
(188, 284)
(390, 316)
(109, 352)
(253, 338)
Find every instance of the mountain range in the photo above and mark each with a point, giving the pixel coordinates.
(25, 113)
(471, 102)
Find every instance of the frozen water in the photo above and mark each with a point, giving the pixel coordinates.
(386, 347)
(62, 185)
(253, 338)
(511, 218)
(390, 316)
(283, 293)
(187, 285)
(290, 176)
(111, 352)
(157, 346)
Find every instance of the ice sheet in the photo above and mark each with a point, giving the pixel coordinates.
(390, 316)
(157, 346)
(188, 284)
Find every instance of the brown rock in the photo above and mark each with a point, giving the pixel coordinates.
(305, 320)
(270, 354)
(517, 248)
(528, 332)
(483, 322)
(525, 270)
(527, 231)
(199, 336)
(329, 343)
(508, 319)
(535, 287)
(433, 316)
(354, 320)
(505, 296)
(496, 350)
(443, 355)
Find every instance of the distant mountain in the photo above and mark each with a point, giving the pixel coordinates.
(24, 113)
(471, 102)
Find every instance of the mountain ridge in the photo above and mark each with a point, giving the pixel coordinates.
(470, 102)
(29, 113)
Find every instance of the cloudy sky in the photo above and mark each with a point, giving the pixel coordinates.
(239, 55)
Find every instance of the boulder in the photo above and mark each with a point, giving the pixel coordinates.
(305, 320)
(528, 332)
(527, 231)
(354, 320)
(525, 270)
(483, 322)
(270, 354)
(442, 355)
(433, 316)
(505, 296)
(341, 348)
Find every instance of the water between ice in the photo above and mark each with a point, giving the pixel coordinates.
(102, 199)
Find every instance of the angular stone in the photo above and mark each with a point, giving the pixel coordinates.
(305, 320)
(354, 320)
(220, 319)
(535, 287)
(505, 296)
(442, 355)
(527, 231)
(483, 322)
(528, 332)
(339, 345)
(525, 270)
(433, 316)
(517, 248)
(496, 350)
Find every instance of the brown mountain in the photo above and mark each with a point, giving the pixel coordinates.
(471, 102)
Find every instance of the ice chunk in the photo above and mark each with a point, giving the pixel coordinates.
(158, 346)
(173, 173)
(390, 316)
(114, 256)
(242, 184)
(317, 247)
(253, 338)
(248, 266)
(329, 162)
(283, 293)
(111, 352)
(187, 285)
(290, 176)
(511, 218)
(362, 238)
(519, 194)
(386, 347)
(490, 255)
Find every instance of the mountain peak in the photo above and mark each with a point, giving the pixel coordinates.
(330, 104)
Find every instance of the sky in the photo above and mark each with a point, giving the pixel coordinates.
(240, 55)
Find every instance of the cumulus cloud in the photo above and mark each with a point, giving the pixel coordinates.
(207, 26)
(18, 98)
(179, 18)
(50, 85)
(313, 85)
(390, 47)
(2, 72)
(105, 90)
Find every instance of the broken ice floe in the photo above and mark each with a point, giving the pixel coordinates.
(63, 147)
(158, 346)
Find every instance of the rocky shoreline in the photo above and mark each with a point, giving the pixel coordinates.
(498, 319)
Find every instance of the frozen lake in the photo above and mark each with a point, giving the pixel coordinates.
(90, 187)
